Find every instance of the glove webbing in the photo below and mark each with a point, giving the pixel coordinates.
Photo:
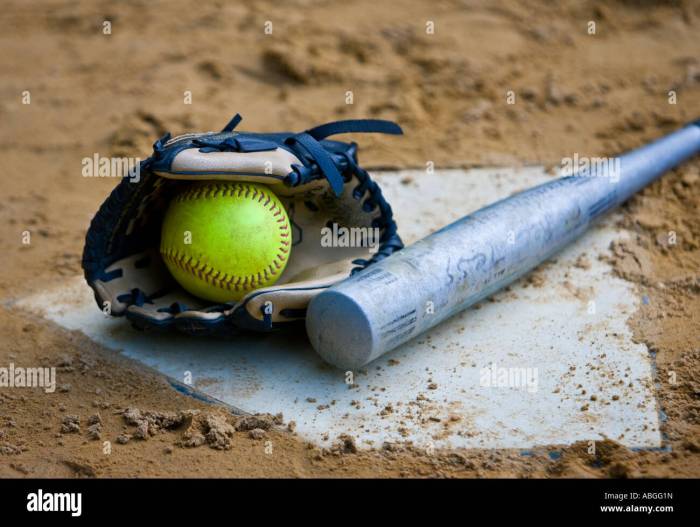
(310, 141)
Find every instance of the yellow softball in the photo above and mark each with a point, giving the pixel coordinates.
(221, 240)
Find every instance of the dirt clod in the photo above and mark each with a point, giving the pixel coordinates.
(70, 424)
(250, 422)
(257, 433)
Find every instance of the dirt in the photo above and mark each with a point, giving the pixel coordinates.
(114, 94)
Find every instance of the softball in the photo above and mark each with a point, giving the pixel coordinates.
(221, 240)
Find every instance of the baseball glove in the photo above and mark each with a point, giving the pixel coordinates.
(318, 180)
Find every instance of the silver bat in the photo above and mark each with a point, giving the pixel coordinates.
(400, 297)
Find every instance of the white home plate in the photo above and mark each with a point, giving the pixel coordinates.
(549, 362)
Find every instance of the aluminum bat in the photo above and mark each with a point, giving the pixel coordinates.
(374, 311)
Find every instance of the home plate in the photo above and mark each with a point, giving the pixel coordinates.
(548, 362)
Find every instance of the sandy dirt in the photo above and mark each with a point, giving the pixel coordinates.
(114, 94)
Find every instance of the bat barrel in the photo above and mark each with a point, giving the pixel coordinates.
(400, 297)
